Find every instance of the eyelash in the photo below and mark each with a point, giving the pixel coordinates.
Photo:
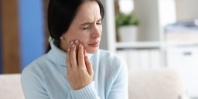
(88, 27)
(99, 23)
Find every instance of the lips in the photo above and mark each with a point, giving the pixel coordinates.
(95, 44)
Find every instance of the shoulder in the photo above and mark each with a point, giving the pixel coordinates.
(36, 66)
(36, 72)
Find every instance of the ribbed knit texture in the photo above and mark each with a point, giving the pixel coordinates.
(45, 78)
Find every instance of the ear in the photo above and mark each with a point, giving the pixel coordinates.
(61, 38)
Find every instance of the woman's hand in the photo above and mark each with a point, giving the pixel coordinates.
(79, 72)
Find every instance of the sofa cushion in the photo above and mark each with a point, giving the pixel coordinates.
(10, 86)
(155, 84)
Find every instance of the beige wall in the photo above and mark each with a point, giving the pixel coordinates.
(186, 9)
(148, 13)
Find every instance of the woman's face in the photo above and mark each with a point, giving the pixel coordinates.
(86, 27)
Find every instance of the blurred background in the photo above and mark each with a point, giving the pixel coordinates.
(148, 34)
(23, 33)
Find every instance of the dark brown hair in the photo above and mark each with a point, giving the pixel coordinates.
(61, 14)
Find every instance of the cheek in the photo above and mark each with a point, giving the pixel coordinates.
(68, 37)
(81, 36)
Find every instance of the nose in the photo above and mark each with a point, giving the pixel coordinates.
(96, 31)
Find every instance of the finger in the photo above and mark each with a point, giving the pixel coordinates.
(85, 53)
(67, 59)
(81, 60)
(72, 56)
(76, 42)
(68, 55)
(88, 66)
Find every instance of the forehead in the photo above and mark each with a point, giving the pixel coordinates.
(88, 10)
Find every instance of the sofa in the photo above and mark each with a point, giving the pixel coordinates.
(143, 84)
(10, 87)
(161, 83)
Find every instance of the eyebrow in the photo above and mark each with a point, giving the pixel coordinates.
(87, 23)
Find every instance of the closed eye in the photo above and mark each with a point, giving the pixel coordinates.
(86, 27)
(99, 22)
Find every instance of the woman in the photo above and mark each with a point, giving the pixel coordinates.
(74, 67)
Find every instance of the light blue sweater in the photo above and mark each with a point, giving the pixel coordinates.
(45, 78)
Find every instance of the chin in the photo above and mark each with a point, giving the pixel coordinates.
(92, 51)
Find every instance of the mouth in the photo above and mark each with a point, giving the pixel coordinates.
(95, 44)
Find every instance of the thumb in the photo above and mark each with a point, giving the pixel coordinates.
(88, 66)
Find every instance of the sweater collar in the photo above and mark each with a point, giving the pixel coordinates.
(58, 56)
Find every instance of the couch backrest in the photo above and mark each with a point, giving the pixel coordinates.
(155, 84)
(10, 86)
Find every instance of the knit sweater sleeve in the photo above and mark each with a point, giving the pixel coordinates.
(88, 92)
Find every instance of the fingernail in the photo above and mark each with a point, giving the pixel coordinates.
(68, 49)
(86, 57)
(73, 45)
(76, 42)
